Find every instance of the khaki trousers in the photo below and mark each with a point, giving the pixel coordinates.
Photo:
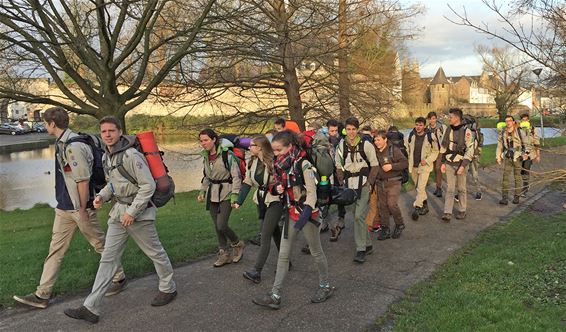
(420, 181)
(455, 183)
(360, 211)
(511, 168)
(64, 227)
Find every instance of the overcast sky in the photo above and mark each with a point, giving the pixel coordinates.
(442, 43)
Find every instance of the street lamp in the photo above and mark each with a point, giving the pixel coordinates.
(537, 72)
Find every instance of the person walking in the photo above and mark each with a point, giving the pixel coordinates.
(270, 208)
(356, 168)
(457, 150)
(74, 210)
(513, 146)
(423, 152)
(294, 180)
(437, 129)
(335, 137)
(133, 215)
(527, 163)
(388, 183)
(220, 188)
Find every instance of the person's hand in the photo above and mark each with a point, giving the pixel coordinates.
(423, 162)
(537, 159)
(498, 161)
(200, 198)
(280, 189)
(97, 202)
(387, 167)
(460, 170)
(83, 215)
(235, 206)
(127, 220)
(443, 168)
(525, 156)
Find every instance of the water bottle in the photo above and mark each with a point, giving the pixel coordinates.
(323, 191)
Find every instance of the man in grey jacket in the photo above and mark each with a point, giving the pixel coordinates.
(133, 214)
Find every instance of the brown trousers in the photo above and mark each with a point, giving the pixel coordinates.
(437, 172)
(388, 193)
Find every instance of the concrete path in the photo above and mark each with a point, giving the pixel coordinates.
(219, 299)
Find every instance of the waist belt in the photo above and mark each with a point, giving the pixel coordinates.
(129, 200)
(395, 178)
(220, 181)
(363, 172)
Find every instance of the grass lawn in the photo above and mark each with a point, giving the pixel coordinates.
(184, 226)
(511, 278)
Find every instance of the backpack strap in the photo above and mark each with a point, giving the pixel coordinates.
(428, 135)
(120, 166)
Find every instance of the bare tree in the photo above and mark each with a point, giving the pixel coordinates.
(106, 57)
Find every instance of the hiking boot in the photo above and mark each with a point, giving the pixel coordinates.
(32, 300)
(306, 250)
(504, 201)
(457, 198)
(162, 299)
(340, 223)
(461, 215)
(383, 233)
(438, 192)
(360, 257)
(322, 294)
(256, 241)
(82, 313)
(269, 300)
(446, 217)
(116, 287)
(516, 200)
(253, 275)
(397, 231)
(223, 258)
(415, 214)
(369, 250)
(424, 209)
(478, 196)
(335, 233)
(238, 251)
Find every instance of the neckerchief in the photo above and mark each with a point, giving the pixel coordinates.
(284, 167)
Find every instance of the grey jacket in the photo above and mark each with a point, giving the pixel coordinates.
(218, 182)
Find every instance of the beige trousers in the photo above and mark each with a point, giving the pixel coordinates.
(420, 181)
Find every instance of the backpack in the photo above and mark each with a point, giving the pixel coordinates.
(405, 171)
(471, 123)
(396, 138)
(319, 154)
(166, 185)
(97, 178)
(237, 151)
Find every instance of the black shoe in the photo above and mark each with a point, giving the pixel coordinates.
(82, 313)
(415, 214)
(397, 231)
(369, 250)
(424, 209)
(516, 200)
(360, 257)
(457, 198)
(163, 298)
(438, 192)
(383, 233)
(478, 196)
(504, 201)
(306, 250)
(253, 275)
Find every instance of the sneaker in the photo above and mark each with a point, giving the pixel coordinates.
(162, 299)
(116, 287)
(32, 300)
(238, 251)
(456, 198)
(383, 233)
(82, 313)
(335, 233)
(416, 213)
(446, 217)
(503, 201)
(516, 200)
(322, 294)
(223, 258)
(478, 196)
(461, 215)
(269, 300)
(306, 250)
(369, 250)
(397, 231)
(256, 241)
(253, 275)
(360, 257)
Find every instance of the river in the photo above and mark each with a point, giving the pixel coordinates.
(27, 178)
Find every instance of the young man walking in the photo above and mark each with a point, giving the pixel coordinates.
(356, 168)
(437, 129)
(513, 146)
(74, 194)
(335, 137)
(457, 150)
(133, 215)
(423, 152)
(534, 141)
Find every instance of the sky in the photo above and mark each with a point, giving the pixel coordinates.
(442, 43)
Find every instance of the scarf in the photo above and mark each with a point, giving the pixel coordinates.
(284, 172)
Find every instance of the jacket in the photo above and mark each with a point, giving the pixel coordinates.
(251, 181)
(354, 163)
(521, 144)
(219, 183)
(429, 152)
(457, 146)
(438, 132)
(398, 161)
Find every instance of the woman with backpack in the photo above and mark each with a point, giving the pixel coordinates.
(259, 174)
(294, 180)
(220, 188)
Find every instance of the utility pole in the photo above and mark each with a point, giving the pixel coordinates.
(540, 110)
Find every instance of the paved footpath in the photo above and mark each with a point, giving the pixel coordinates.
(219, 299)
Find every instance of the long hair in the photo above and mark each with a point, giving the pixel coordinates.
(287, 137)
(266, 151)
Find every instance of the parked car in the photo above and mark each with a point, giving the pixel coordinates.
(38, 127)
(8, 129)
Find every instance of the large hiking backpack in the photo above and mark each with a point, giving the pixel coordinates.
(97, 177)
(405, 171)
(165, 187)
(471, 123)
(319, 154)
(237, 150)
(396, 138)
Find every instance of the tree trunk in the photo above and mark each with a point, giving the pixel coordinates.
(293, 96)
(501, 107)
(343, 72)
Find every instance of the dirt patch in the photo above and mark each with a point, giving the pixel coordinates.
(550, 204)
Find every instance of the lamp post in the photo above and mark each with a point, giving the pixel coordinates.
(537, 72)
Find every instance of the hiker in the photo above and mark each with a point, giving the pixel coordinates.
(74, 193)
(388, 183)
(279, 124)
(294, 181)
(270, 208)
(457, 149)
(437, 129)
(133, 215)
(526, 165)
(423, 152)
(513, 146)
(335, 137)
(356, 168)
(220, 188)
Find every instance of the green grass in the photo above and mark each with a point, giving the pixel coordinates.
(511, 278)
(487, 157)
(184, 226)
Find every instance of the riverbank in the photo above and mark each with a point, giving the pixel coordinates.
(30, 141)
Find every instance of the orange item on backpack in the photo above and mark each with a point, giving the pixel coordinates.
(154, 159)
(292, 126)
